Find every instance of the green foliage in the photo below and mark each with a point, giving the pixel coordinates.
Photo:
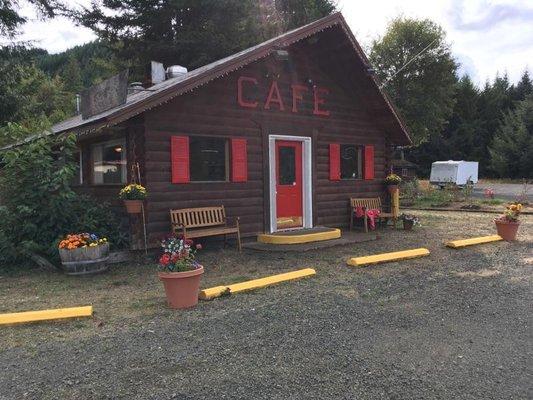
(512, 149)
(11, 18)
(192, 32)
(410, 191)
(96, 61)
(424, 89)
(27, 93)
(435, 198)
(38, 205)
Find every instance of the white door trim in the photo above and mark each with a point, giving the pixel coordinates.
(307, 178)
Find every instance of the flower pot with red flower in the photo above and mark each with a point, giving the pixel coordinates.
(180, 272)
(133, 196)
(508, 223)
(393, 182)
(84, 253)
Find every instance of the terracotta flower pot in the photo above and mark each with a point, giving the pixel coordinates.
(133, 206)
(408, 225)
(507, 230)
(392, 188)
(182, 288)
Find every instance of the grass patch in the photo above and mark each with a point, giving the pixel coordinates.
(493, 202)
(434, 198)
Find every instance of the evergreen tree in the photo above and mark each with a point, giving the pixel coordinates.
(71, 76)
(11, 18)
(494, 101)
(193, 32)
(523, 88)
(420, 82)
(512, 148)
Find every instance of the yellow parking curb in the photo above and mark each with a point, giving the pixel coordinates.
(298, 239)
(43, 315)
(217, 291)
(455, 244)
(385, 257)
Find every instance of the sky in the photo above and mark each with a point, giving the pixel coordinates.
(487, 37)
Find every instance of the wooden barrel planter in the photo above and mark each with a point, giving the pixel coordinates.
(85, 260)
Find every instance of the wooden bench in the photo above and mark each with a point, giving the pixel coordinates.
(373, 203)
(202, 222)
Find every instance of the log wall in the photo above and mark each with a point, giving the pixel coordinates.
(212, 110)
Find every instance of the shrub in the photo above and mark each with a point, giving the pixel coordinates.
(38, 204)
(410, 191)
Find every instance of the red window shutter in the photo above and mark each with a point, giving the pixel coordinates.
(179, 156)
(334, 162)
(239, 160)
(369, 162)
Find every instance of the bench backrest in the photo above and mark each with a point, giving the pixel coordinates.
(198, 217)
(369, 203)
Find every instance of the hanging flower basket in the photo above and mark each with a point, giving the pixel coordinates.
(133, 206)
(392, 188)
(392, 181)
(133, 196)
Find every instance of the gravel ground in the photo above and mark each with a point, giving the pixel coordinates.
(506, 191)
(454, 325)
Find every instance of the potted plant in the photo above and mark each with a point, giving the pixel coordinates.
(508, 223)
(83, 253)
(133, 196)
(409, 221)
(392, 181)
(180, 272)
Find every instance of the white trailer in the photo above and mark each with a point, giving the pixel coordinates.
(453, 172)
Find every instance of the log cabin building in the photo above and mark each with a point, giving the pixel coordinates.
(282, 134)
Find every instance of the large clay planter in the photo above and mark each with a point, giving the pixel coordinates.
(182, 288)
(133, 206)
(507, 230)
(392, 188)
(85, 260)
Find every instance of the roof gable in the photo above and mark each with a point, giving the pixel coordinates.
(173, 87)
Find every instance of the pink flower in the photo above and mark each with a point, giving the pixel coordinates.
(165, 259)
(189, 242)
(198, 246)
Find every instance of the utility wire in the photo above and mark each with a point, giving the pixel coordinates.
(406, 64)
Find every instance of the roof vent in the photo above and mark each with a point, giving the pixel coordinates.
(175, 71)
(135, 87)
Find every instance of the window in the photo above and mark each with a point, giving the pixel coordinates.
(109, 162)
(77, 179)
(351, 161)
(208, 158)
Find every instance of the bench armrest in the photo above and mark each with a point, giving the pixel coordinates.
(235, 219)
(178, 226)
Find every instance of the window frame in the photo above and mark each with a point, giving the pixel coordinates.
(227, 160)
(361, 162)
(124, 157)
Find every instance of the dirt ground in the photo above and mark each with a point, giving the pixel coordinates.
(454, 325)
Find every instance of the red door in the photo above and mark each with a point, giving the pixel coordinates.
(289, 207)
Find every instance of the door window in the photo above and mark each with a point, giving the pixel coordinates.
(287, 165)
